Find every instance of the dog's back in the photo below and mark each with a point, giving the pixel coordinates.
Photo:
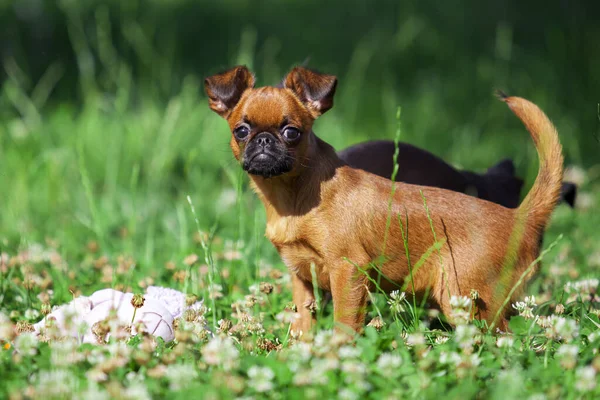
(419, 167)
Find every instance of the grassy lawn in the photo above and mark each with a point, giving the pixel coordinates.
(97, 197)
(127, 188)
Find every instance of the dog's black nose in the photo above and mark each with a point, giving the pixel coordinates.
(264, 139)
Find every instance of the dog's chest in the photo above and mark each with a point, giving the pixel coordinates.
(299, 249)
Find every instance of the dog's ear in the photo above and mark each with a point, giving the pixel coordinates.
(315, 90)
(568, 193)
(504, 167)
(224, 90)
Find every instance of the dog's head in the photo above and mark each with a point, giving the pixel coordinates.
(271, 126)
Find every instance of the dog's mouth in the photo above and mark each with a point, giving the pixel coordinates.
(267, 164)
(262, 157)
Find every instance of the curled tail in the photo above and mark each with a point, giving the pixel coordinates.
(545, 192)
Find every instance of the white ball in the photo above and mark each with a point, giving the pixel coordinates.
(157, 320)
(68, 317)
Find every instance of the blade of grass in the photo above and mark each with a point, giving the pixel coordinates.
(208, 259)
(521, 279)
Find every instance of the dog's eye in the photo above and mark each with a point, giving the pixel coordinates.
(291, 133)
(241, 132)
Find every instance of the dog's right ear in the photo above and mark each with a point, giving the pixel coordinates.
(315, 90)
(224, 90)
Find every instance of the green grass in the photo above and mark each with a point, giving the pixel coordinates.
(102, 182)
(96, 196)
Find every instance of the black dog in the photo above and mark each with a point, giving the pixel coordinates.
(417, 166)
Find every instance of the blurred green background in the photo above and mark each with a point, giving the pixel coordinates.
(104, 124)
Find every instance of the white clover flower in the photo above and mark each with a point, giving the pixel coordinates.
(361, 385)
(460, 316)
(525, 308)
(300, 351)
(322, 365)
(215, 291)
(287, 317)
(26, 343)
(261, 378)
(511, 378)
(96, 375)
(31, 314)
(254, 289)
(441, 340)
(349, 352)
(537, 396)
(320, 368)
(544, 322)
(450, 358)
(311, 376)
(136, 391)
(473, 360)
(96, 356)
(505, 342)
(200, 330)
(64, 353)
(527, 313)
(58, 383)
(353, 368)
(298, 354)
(302, 377)
(347, 394)
(567, 353)
(180, 375)
(323, 342)
(397, 295)
(530, 301)
(465, 336)
(388, 364)
(562, 328)
(583, 287)
(93, 392)
(461, 302)
(396, 301)
(254, 326)
(567, 350)
(119, 349)
(415, 339)
(586, 379)
(134, 377)
(221, 352)
(7, 330)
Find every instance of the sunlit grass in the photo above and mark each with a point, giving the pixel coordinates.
(100, 194)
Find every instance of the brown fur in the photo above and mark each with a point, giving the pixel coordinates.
(325, 214)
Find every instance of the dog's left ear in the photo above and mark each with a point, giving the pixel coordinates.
(315, 90)
(225, 90)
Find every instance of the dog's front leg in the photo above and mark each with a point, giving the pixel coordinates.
(304, 299)
(349, 292)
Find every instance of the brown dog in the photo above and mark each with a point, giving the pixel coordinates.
(419, 167)
(345, 229)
